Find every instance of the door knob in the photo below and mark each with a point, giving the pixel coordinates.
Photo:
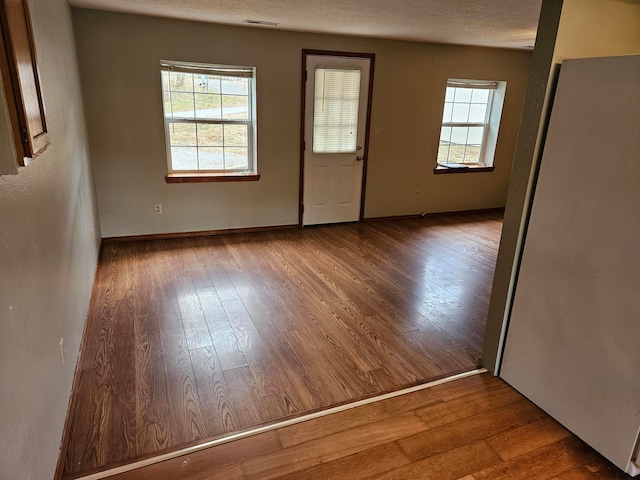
(360, 158)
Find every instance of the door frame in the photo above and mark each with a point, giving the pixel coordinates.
(330, 53)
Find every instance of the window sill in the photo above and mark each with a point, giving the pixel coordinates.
(211, 177)
(465, 169)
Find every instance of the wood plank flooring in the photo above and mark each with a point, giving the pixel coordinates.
(194, 338)
(476, 428)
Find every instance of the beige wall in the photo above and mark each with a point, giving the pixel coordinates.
(48, 256)
(598, 28)
(119, 59)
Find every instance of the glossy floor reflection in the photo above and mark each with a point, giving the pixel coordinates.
(193, 338)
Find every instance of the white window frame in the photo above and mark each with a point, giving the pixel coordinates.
(250, 123)
(491, 122)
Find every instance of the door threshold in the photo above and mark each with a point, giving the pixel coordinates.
(292, 421)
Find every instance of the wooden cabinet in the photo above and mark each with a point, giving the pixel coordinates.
(21, 81)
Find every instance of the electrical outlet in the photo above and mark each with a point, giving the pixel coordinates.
(157, 209)
(416, 194)
(376, 133)
(62, 351)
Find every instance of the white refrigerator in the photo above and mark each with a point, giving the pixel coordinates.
(573, 338)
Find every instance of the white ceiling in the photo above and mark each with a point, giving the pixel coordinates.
(493, 23)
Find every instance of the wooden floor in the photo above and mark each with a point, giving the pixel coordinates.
(191, 339)
(477, 428)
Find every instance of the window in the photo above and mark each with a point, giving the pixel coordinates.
(19, 73)
(470, 123)
(209, 119)
(335, 118)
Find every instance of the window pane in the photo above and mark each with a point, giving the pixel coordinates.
(443, 153)
(235, 107)
(459, 135)
(235, 135)
(335, 119)
(465, 144)
(165, 81)
(460, 112)
(166, 100)
(480, 95)
(448, 111)
(181, 82)
(209, 135)
(456, 153)
(235, 86)
(462, 95)
(211, 158)
(208, 106)
(477, 113)
(445, 134)
(213, 84)
(448, 97)
(182, 134)
(471, 154)
(443, 149)
(236, 157)
(201, 83)
(475, 136)
(457, 144)
(182, 105)
(184, 158)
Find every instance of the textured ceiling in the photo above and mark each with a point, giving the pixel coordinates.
(494, 23)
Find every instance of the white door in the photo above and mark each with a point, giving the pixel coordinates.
(336, 101)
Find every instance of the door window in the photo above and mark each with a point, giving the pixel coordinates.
(336, 104)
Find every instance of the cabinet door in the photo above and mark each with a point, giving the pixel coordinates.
(21, 81)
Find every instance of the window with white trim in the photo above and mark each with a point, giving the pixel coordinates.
(470, 122)
(209, 118)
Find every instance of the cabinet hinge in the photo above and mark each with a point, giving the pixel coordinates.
(25, 135)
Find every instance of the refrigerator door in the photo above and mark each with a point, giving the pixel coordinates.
(573, 341)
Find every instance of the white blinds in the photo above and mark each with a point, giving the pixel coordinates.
(336, 103)
(219, 70)
(489, 85)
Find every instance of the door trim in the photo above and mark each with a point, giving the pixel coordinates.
(330, 53)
